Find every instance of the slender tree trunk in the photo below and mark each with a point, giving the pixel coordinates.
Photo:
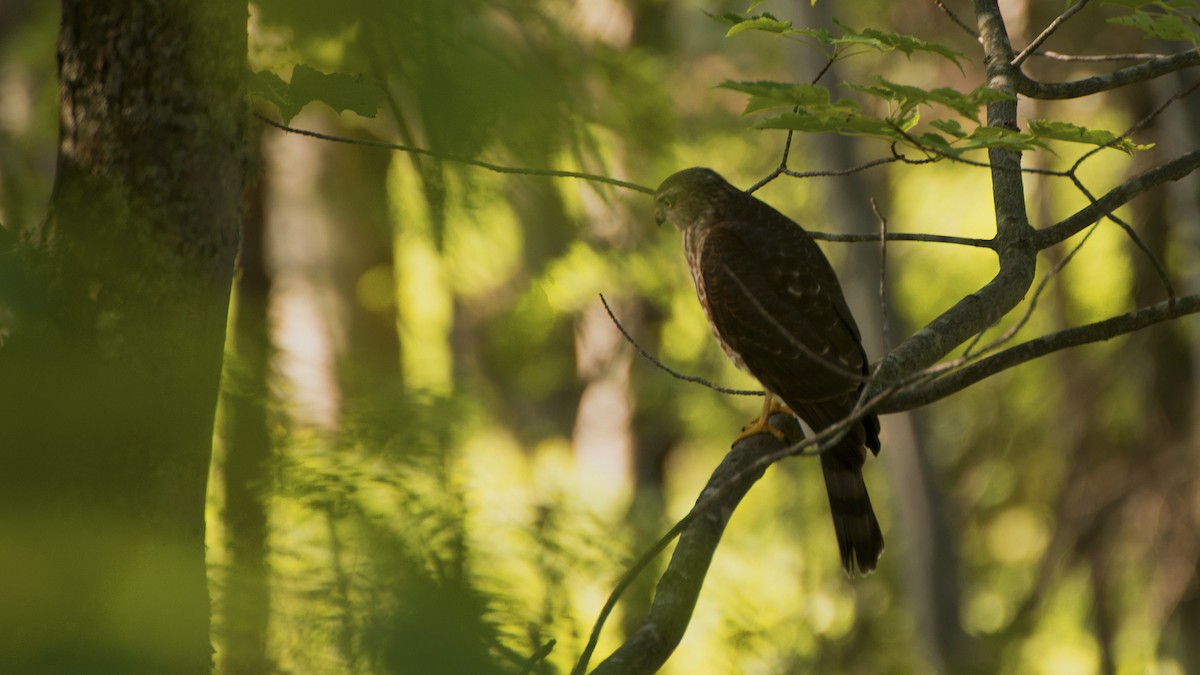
(110, 375)
(245, 470)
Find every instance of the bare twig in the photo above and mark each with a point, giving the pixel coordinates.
(903, 236)
(883, 304)
(538, 656)
(1157, 264)
(1086, 58)
(665, 368)
(498, 168)
(787, 143)
(954, 17)
(1045, 34)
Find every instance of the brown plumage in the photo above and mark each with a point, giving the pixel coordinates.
(778, 311)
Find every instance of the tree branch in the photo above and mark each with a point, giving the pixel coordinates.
(1014, 235)
(1098, 83)
(918, 395)
(649, 646)
(1115, 198)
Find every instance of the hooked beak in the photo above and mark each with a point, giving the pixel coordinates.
(659, 216)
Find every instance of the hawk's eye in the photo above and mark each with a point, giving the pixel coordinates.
(668, 202)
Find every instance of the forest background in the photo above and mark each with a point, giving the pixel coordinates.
(435, 452)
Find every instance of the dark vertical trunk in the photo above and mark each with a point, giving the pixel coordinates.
(111, 371)
(245, 472)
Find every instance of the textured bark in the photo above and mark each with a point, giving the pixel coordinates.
(110, 376)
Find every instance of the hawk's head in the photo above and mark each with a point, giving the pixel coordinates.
(691, 198)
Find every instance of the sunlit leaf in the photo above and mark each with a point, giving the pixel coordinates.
(764, 22)
(884, 41)
(1066, 131)
(1003, 139)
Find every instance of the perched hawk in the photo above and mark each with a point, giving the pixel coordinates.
(778, 311)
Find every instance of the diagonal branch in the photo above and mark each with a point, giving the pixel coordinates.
(649, 646)
(1098, 83)
(923, 394)
(1115, 198)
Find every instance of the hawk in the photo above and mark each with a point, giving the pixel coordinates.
(776, 307)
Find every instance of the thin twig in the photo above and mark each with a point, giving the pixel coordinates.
(538, 656)
(498, 168)
(787, 142)
(883, 301)
(1045, 34)
(662, 366)
(1157, 264)
(854, 238)
(954, 17)
(1057, 56)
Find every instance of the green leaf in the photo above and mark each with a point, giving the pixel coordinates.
(1003, 139)
(356, 93)
(1065, 131)
(272, 89)
(768, 95)
(764, 22)
(1162, 26)
(951, 127)
(908, 97)
(882, 41)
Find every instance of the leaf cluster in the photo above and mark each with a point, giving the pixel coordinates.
(1168, 20)
(868, 38)
(815, 111)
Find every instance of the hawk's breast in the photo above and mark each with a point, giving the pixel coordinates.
(693, 244)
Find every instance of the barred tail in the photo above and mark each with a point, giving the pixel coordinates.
(859, 538)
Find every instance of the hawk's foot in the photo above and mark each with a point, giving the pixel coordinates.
(762, 425)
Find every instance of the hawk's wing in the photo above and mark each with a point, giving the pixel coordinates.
(775, 301)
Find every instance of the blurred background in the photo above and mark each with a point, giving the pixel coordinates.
(435, 453)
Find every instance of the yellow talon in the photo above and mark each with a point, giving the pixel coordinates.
(771, 406)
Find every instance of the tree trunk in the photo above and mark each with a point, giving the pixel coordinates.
(245, 438)
(110, 374)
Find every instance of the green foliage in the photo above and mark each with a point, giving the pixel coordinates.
(870, 38)
(908, 97)
(814, 112)
(1066, 131)
(1170, 20)
(356, 93)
